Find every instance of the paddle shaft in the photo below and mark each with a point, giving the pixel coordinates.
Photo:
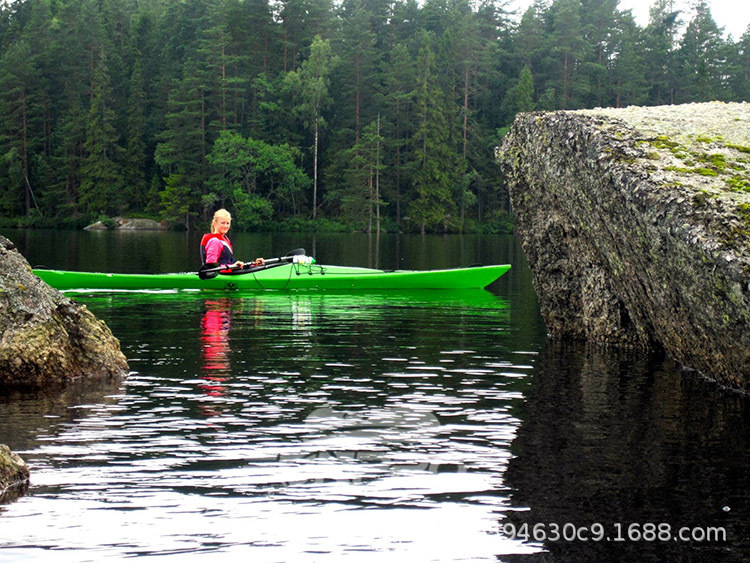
(208, 273)
(269, 262)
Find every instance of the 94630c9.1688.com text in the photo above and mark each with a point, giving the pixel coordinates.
(614, 532)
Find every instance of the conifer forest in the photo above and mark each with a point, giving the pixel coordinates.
(370, 115)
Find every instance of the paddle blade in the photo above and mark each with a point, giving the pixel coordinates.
(209, 271)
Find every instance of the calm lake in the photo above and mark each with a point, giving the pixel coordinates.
(404, 426)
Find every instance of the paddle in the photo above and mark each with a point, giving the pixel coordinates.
(212, 269)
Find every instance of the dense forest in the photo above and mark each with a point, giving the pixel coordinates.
(299, 114)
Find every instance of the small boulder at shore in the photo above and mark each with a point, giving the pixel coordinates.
(46, 338)
(14, 474)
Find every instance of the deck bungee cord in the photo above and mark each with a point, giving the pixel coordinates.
(298, 262)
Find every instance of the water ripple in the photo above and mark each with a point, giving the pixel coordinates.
(341, 423)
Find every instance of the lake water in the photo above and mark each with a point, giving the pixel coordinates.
(420, 426)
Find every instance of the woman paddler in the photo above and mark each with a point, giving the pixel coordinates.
(216, 247)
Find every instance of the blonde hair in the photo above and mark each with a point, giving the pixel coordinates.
(220, 214)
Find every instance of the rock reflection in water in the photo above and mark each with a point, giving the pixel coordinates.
(621, 438)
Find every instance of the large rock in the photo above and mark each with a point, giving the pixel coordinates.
(14, 474)
(127, 224)
(636, 224)
(45, 337)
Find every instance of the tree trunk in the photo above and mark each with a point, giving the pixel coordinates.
(25, 155)
(466, 137)
(203, 127)
(377, 180)
(369, 214)
(357, 99)
(223, 89)
(315, 172)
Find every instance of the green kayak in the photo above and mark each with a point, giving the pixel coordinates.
(304, 275)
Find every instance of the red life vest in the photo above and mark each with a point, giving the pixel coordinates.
(226, 256)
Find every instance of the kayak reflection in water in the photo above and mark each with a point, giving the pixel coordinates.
(215, 326)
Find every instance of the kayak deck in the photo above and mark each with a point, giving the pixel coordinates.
(290, 277)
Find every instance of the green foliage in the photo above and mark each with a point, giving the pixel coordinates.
(250, 210)
(254, 176)
(359, 113)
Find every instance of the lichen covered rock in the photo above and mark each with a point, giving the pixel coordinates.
(14, 474)
(45, 337)
(636, 224)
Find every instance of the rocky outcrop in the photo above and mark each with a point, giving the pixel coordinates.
(45, 337)
(126, 224)
(636, 224)
(14, 474)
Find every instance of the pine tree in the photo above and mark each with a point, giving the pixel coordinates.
(68, 142)
(17, 84)
(183, 147)
(520, 98)
(101, 190)
(397, 123)
(361, 200)
(739, 61)
(626, 81)
(255, 18)
(438, 166)
(359, 61)
(135, 168)
(225, 72)
(530, 39)
(301, 22)
(659, 55)
(599, 18)
(568, 39)
(701, 58)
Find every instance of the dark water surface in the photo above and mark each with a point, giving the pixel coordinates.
(420, 426)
